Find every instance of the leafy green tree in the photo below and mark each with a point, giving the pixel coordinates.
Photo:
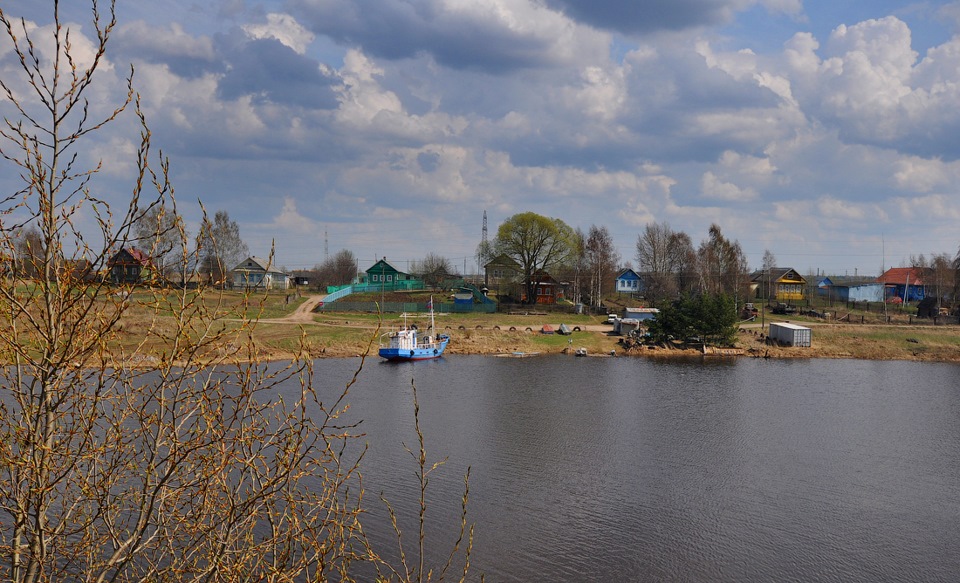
(537, 243)
(710, 317)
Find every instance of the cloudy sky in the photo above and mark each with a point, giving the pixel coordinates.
(827, 132)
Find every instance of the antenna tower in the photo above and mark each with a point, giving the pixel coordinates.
(326, 246)
(483, 243)
(483, 238)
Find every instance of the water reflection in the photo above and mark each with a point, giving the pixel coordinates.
(636, 470)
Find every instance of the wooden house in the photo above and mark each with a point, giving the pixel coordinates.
(630, 282)
(130, 266)
(503, 275)
(782, 284)
(382, 275)
(257, 273)
(906, 283)
(548, 290)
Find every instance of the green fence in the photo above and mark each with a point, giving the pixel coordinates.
(408, 307)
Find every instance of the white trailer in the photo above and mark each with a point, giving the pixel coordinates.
(790, 334)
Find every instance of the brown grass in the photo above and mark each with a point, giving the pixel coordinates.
(349, 334)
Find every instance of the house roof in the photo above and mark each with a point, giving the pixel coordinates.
(903, 276)
(137, 255)
(257, 264)
(504, 260)
(382, 265)
(846, 280)
(542, 277)
(776, 274)
(628, 274)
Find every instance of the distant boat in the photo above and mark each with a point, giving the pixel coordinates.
(403, 344)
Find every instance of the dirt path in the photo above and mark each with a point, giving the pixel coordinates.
(302, 315)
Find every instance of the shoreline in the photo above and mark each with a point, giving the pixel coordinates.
(839, 341)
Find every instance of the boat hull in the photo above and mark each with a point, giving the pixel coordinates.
(427, 352)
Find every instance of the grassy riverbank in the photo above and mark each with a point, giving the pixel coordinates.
(281, 332)
(342, 334)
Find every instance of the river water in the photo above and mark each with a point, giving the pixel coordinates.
(631, 469)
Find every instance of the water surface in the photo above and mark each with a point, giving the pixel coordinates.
(627, 469)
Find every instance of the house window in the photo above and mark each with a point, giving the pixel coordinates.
(389, 278)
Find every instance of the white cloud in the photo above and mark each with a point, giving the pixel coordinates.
(714, 188)
(921, 175)
(838, 209)
(292, 221)
(284, 28)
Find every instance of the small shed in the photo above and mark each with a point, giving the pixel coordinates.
(627, 326)
(791, 334)
(642, 314)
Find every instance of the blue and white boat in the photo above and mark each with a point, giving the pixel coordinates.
(404, 344)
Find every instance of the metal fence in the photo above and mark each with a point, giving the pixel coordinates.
(408, 307)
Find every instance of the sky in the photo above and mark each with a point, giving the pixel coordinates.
(825, 132)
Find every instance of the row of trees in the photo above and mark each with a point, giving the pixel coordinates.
(668, 258)
(673, 267)
(158, 231)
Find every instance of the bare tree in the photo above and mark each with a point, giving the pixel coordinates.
(141, 438)
(157, 230)
(653, 258)
(666, 259)
(722, 265)
(220, 247)
(768, 265)
(601, 262)
(941, 270)
(27, 253)
(433, 269)
(340, 269)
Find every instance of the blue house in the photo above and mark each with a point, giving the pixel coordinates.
(630, 282)
(906, 283)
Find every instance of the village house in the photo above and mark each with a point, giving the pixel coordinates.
(257, 273)
(384, 276)
(630, 282)
(502, 275)
(548, 290)
(906, 283)
(130, 266)
(781, 284)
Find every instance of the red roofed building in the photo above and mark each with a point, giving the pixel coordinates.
(906, 283)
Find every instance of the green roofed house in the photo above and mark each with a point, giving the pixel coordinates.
(383, 275)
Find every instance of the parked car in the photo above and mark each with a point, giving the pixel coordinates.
(612, 318)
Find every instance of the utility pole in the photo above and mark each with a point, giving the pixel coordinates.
(483, 243)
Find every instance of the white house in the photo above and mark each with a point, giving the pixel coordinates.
(255, 272)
